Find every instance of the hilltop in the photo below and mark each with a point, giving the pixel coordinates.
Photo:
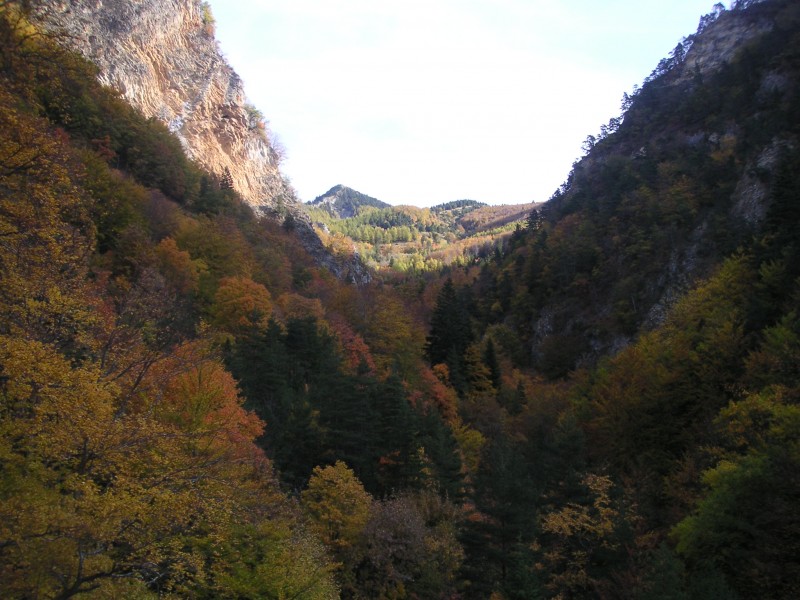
(343, 202)
(597, 397)
(410, 239)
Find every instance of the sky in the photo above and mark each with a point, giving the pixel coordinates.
(424, 102)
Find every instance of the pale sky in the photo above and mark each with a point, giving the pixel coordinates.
(423, 102)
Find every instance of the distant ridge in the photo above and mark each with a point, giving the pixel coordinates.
(343, 202)
(465, 205)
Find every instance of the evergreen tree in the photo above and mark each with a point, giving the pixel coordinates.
(396, 432)
(491, 362)
(450, 333)
(442, 450)
(505, 501)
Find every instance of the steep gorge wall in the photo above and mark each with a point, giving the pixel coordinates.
(163, 57)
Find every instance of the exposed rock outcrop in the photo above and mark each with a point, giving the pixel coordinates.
(163, 57)
(344, 202)
(720, 42)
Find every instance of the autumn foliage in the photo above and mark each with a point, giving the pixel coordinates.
(600, 403)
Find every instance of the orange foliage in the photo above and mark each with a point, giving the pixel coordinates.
(294, 306)
(240, 304)
(432, 392)
(177, 266)
(354, 349)
(202, 396)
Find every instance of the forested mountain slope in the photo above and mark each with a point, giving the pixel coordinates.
(163, 58)
(408, 239)
(604, 404)
(135, 285)
(683, 178)
(654, 298)
(343, 202)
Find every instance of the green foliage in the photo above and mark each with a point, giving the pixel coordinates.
(450, 334)
(208, 17)
(343, 202)
(462, 206)
(270, 560)
(500, 531)
(413, 240)
(736, 528)
(517, 466)
(320, 412)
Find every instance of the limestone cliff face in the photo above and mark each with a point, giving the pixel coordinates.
(163, 57)
(722, 40)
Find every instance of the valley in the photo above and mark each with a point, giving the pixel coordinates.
(407, 239)
(211, 390)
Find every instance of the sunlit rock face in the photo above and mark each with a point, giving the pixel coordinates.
(162, 56)
(720, 42)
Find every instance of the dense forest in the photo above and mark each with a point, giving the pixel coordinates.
(603, 404)
(412, 240)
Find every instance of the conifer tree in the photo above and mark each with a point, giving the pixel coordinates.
(450, 333)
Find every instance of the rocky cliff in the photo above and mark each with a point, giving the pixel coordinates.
(163, 57)
(719, 40)
(684, 178)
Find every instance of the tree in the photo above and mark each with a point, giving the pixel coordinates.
(583, 543)
(749, 536)
(46, 234)
(535, 220)
(178, 267)
(201, 396)
(226, 181)
(410, 549)
(450, 334)
(92, 494)
(274, 558)
(338, 508)
(337, 504)
(501, 526)
(240, 305)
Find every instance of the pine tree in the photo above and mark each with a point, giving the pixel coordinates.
(226, 182)
(491, 362)
(450, 334)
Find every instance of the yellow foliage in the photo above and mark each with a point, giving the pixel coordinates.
(45, 232)
(240, 304)
(178, 267)
(294, 306)
(579, 534)
(470, 443)
(127, 461)
(337, 504)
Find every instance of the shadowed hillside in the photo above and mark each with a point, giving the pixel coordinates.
(597, 397)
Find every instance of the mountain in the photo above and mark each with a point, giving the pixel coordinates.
(165, 61)
(486, 218)
(598, 400)
(411, 239)
(343, 202)
(163, 58)
(654, 300)
(664, 193)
